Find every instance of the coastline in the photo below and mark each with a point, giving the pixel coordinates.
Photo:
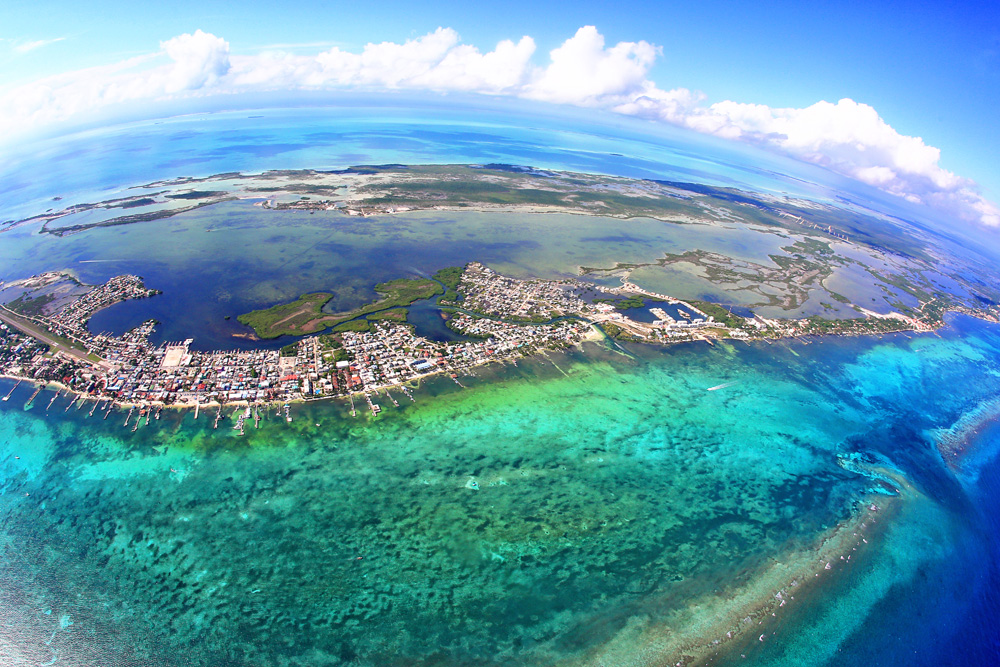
(593, 335)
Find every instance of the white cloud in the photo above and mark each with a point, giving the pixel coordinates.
(22, 47)
(847, 137)
(200, 59)
(583, 71)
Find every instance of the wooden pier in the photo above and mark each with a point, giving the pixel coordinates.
(7, 397)
(37, 390)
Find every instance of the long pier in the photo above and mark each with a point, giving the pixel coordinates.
(7, 397)
(37, 389)
(391, 398)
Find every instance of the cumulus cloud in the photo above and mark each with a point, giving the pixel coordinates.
(846, 137)
(200, 59)
(583, 71)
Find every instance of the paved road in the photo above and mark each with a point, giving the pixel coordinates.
(36, 332)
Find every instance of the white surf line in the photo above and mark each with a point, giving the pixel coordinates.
(722, 386)
(94, 261)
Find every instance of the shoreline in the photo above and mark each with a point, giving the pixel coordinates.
(594, 335)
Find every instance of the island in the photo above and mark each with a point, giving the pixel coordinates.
(366, 352)
(372, 350)
(305, 315)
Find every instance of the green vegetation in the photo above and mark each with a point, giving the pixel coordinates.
(721, 314)
(289, 350)
(634, 301)
(401, 293)
(719, 333)
(821, 325)
(288, 318)
(32, 307)
(451, 277)
(305, 314)
(353, 325)
(395, 315)
(616, 332)
(839, 297)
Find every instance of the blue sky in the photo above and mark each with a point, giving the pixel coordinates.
(929, 70)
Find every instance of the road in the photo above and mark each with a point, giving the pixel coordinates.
(37, 333)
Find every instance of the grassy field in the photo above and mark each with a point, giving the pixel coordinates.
(295, 318)
(396, 315)
(305, 314)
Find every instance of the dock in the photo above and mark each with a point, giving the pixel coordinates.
(374, 407)
(7, 397)
(240, 419)
(37, 389)
(54, 397)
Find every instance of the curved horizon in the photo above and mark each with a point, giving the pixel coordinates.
(847, 137)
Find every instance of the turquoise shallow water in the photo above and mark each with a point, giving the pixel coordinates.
(539, 517)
